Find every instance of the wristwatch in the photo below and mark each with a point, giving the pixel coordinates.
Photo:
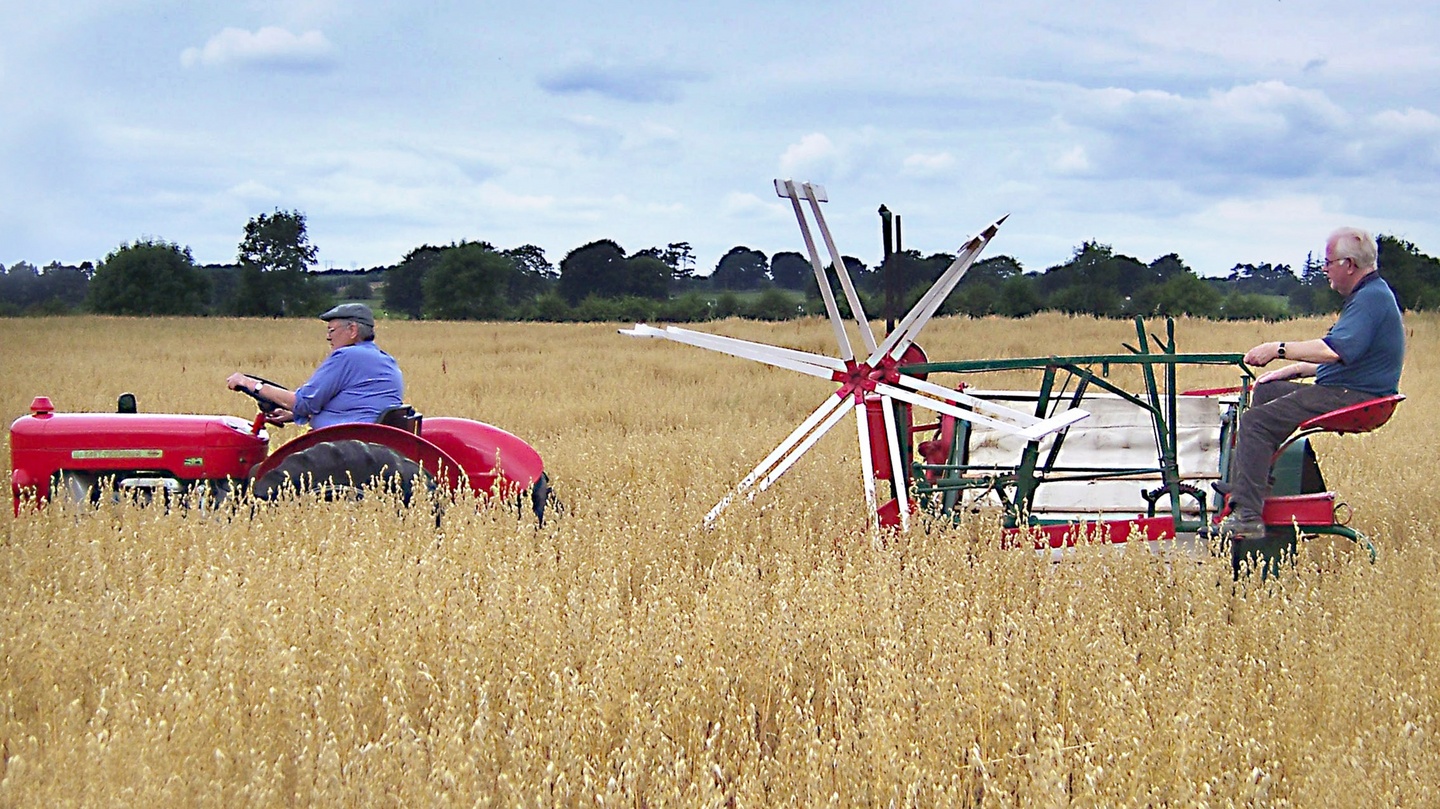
(259, 385)
(1281, 354)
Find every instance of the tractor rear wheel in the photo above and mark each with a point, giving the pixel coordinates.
(341, 470)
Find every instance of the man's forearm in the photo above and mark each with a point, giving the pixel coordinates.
(1309, 351)
(278, 395)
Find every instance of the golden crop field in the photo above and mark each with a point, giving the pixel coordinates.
(354, 654)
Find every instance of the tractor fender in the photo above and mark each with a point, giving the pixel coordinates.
(486, 453)
(435, 461)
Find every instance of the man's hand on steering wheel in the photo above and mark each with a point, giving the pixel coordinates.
(279, 416)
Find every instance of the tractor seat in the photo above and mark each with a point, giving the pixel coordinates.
(403, 417)
(1357, 418)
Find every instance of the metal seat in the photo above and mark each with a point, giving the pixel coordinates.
(403, 417)
(1357, 418)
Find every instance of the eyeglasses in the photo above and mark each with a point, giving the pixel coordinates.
(330, 330)
(1330, 261)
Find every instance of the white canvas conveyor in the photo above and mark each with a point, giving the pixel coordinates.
(1118, 435)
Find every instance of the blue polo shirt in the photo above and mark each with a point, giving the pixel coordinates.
(354, 383)
(1370, 339)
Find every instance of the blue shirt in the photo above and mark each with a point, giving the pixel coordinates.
(1370, 339)
(354, 383)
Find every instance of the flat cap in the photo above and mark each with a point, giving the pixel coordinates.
(358, 312)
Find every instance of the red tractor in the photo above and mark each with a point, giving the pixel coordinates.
(86, 457)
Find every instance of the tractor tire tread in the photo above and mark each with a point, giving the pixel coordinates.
(348, 465)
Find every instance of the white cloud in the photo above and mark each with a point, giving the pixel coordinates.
(1248, 133)
(252, 191)
(268, 47)
(502, 123)
(923, 164)
(814, 156)
(744, 205)
(636, 81)
(1073, 161)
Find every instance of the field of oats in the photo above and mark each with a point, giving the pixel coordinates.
(354, 654)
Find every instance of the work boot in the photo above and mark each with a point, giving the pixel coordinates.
(1240, 526)
(1233, 527)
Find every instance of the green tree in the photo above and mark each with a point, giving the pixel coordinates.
(974, 300)
(356, 289)
(1018, 297)
(740, 268)
(1095, 281)
(1168, 266)
(1246, 306)
(405, 282)
(1087, 299)
(1263, 279)
(692, 307)
(995, 270)
(680, 258)
(275, 258)
(224, 283)
(647, 277)
(598, 269)
(149, 277)
(1184, 294)
(57, 289)
(791, 270)
(979, 292)
(550, 308)
(470, 282)
(728, 304)
(19, 286)
(773, 304)
(1315, 295)
(533, 276)
(1413, 276)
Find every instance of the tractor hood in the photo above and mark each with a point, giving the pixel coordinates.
(186, 447)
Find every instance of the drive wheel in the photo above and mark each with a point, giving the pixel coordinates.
(341, 470)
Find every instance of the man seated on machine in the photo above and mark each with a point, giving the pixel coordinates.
(356, 382)
(1357, 360)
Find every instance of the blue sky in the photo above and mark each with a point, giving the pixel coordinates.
(1225, 131)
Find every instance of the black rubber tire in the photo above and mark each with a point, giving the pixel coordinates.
(341, 470)
(75, 490)
(542, 496)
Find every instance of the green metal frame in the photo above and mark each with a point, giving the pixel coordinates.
(1016, 486)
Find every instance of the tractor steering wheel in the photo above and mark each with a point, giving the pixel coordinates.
(266, 406)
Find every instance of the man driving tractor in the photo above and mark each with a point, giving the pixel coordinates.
(356, 382)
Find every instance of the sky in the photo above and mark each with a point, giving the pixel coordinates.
(1227, 132)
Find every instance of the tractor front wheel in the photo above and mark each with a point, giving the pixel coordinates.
(75, 489)
(341, 470)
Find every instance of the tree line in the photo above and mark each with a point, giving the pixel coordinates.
(274, 276)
